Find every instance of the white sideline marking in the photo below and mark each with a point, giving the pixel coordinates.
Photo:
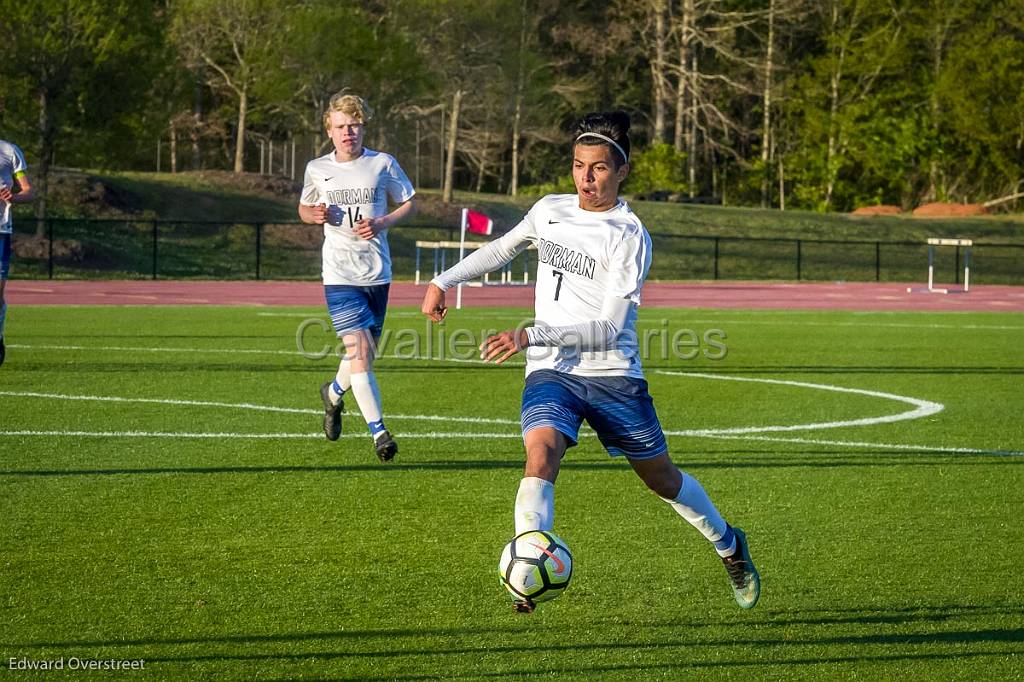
(922, 408)
(142, 349)
(249, 406)
(897, 325)
(251, 436)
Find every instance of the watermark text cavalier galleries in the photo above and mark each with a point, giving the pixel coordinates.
(315, 340)
(75, 663)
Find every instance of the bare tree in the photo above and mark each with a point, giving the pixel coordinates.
(232, 38)
(710, 63)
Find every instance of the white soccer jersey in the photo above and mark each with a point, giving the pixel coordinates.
(584, 259)
(354, 190)
(12, 162)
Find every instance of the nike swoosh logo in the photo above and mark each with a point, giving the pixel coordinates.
(553, 222)
(559, 564)
(326, 179)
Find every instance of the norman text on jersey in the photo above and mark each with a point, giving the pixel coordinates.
(566, 259)
(353, 195)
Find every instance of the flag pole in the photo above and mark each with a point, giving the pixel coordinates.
(462, 252)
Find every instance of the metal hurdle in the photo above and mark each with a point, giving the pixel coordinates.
(440, 249)
(934, 242)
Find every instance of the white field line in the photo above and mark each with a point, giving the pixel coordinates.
(897, 325)
(248, 406)
(246, 436)
(150, 349)
(862, 444)
(250, 351)
(922, 408)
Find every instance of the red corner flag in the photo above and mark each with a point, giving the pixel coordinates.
(478, 223)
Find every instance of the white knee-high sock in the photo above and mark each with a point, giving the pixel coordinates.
(535, 505)
(364, 388)
(694, 505)
(342, 380)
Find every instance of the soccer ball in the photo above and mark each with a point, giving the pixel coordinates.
(535, 566)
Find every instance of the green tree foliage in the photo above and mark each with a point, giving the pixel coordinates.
(862, 101)
(986, 110)
(659, 167)
(75, 74)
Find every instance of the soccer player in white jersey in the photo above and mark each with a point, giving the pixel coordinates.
(347, 190)
(14, 188)
(582, 356)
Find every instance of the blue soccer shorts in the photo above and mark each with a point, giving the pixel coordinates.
(5, 255)
(353, 308)
(619, 409)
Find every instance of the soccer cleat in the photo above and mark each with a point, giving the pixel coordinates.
(523, 606)
(3, 350)
(385, 446)
(746, 583)
(332, 413)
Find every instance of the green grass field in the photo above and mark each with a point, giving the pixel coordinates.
(147, 514)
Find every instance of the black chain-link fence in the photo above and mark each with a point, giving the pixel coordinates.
(156, 249)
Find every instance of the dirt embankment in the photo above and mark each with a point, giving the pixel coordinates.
(941, 209)
(935, 209)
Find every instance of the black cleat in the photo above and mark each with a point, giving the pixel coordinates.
(3, 350)
(523, 606)
(332, 413)
(385, 446)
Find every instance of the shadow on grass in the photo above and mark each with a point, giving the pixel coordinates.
(387, 643)
(686, 665)
(866, 459)
(525, 626)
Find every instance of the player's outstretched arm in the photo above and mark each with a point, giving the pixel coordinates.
(433, 303)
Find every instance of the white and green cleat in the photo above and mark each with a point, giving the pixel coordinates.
(743, 576)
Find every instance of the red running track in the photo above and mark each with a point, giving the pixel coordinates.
(865, 296)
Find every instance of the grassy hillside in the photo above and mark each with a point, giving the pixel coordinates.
(691, 241)
(219, 196)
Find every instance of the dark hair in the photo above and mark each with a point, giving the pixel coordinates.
(613, 124)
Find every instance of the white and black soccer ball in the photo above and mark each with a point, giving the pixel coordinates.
(535, 566)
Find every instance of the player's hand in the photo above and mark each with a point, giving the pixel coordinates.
(498, 348)
(6, 194)
(318, 214)
(368, 228)
(433, 304)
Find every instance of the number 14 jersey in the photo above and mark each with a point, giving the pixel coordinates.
(353, 191)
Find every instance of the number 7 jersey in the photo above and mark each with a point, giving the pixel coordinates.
(585, 257)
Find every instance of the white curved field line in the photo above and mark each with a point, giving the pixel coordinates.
(922, 408)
